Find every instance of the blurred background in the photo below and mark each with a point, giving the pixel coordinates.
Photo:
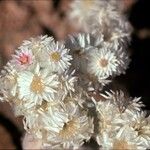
(22, 19)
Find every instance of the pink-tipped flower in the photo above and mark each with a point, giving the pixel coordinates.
(23, 59)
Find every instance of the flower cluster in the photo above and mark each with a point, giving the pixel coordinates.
(121, 122)
(40, 85)
(58, 86)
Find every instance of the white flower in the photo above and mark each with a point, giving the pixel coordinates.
(33, 124)
(37, 45)
(36, 86)
(108, 116)
(116, 39)
(122, 124)
(23, 59)
(141, 125)
(101, 19)
(96, 15)
(106, 16)
(124, 139)
(102, 63)
(123, 101)
(67, 82)
(127, 138)
(124, 61)
(75, 130)
(9, 81)
(80, 45)
(53, 119)
(46, 117)
(78, 97)
(57, 56)
(31, 119)
(81, 11)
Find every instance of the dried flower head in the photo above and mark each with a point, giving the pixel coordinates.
(75, 130)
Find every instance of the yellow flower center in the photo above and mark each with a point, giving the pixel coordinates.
(37, 85)
(103, 62)
(69, 129)
(55, 56)
(122, 145)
